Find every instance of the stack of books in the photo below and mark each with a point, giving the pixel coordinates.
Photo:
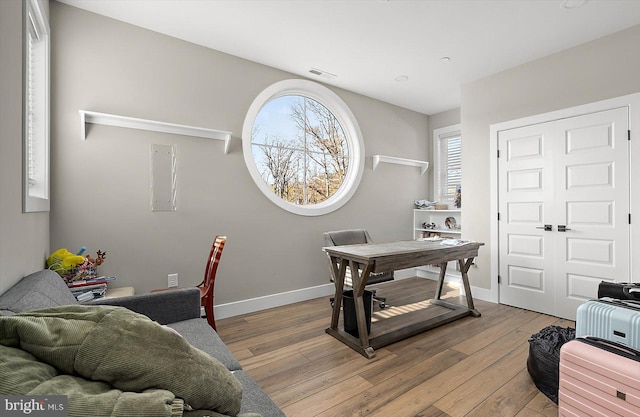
(89, 289)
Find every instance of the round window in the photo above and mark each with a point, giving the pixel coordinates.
(303, 147)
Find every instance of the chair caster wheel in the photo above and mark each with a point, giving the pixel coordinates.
(382, 306)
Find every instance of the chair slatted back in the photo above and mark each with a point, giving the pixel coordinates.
(212, 264)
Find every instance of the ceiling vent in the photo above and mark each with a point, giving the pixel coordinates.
(323, 74)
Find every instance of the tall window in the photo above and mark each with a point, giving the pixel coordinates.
(447, 143)
(36, 109)
(303, 147)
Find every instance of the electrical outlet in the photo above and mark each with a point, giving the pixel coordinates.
(172, 280)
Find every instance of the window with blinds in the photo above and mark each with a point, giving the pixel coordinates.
(448, 164)
(36, 109)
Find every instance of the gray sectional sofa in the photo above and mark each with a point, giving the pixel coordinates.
(179, 309)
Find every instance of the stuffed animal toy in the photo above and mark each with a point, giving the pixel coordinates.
(63, 262)
(99, 258)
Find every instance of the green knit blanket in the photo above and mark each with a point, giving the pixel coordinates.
(110, 361)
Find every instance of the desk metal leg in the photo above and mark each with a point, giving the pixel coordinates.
(464, 268)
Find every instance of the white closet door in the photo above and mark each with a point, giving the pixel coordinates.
(571, 175)
(526, 184)
(592, 196)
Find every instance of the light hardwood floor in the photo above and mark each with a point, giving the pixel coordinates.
(472, 367)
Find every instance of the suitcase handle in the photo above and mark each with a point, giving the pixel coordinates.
(628, 303)
(597, 341)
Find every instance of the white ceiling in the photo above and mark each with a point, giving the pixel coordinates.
(368, 43)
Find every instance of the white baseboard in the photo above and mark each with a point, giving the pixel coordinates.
(451, 279)
(404, 274)
(484, 294)
(252, 305)
(479, 293)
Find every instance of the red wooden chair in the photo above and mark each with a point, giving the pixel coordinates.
(207, 285)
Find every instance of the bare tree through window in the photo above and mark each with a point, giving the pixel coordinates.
(300, 149)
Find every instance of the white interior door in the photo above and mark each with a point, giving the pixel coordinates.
(592, 196)
(572, 176)
(526, 204)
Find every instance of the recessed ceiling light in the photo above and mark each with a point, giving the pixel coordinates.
(573, 4)
(401, 78)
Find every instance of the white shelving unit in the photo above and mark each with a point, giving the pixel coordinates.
(439, 218)
(423, 165)
(152, 125)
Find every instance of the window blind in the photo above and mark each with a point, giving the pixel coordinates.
(36, 108)
(30, 104)
(449, 167)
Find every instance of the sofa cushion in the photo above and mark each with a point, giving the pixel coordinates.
(201, 335)
(163, 306)
(42, 289)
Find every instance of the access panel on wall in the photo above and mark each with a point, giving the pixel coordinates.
(564, 206)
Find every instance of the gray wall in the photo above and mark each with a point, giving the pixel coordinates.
(24, 238)
(101, 185)
(601, 69)
(444, 119)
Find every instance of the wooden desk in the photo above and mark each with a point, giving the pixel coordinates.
(382, 257)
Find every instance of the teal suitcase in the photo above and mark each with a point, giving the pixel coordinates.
(609, 319)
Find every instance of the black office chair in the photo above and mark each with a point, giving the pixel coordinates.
(353, 237)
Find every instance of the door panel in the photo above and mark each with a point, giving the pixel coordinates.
(590, 138)
(572, 173)
(582, 287)
(526, 147)
(593, 203)
(526, 191)
(590, 175)
(528, 180)
(590, 251)
(526, 278)
(528, 212)
(590, 213)
(526, 245)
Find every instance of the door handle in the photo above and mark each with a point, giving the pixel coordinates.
(546, 227)
(562, 228)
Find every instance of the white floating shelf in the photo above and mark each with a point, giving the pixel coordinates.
(423, 165)
(152, 125)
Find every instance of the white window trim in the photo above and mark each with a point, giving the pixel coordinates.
(33, 14)
(441, 133)
(349, 125)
